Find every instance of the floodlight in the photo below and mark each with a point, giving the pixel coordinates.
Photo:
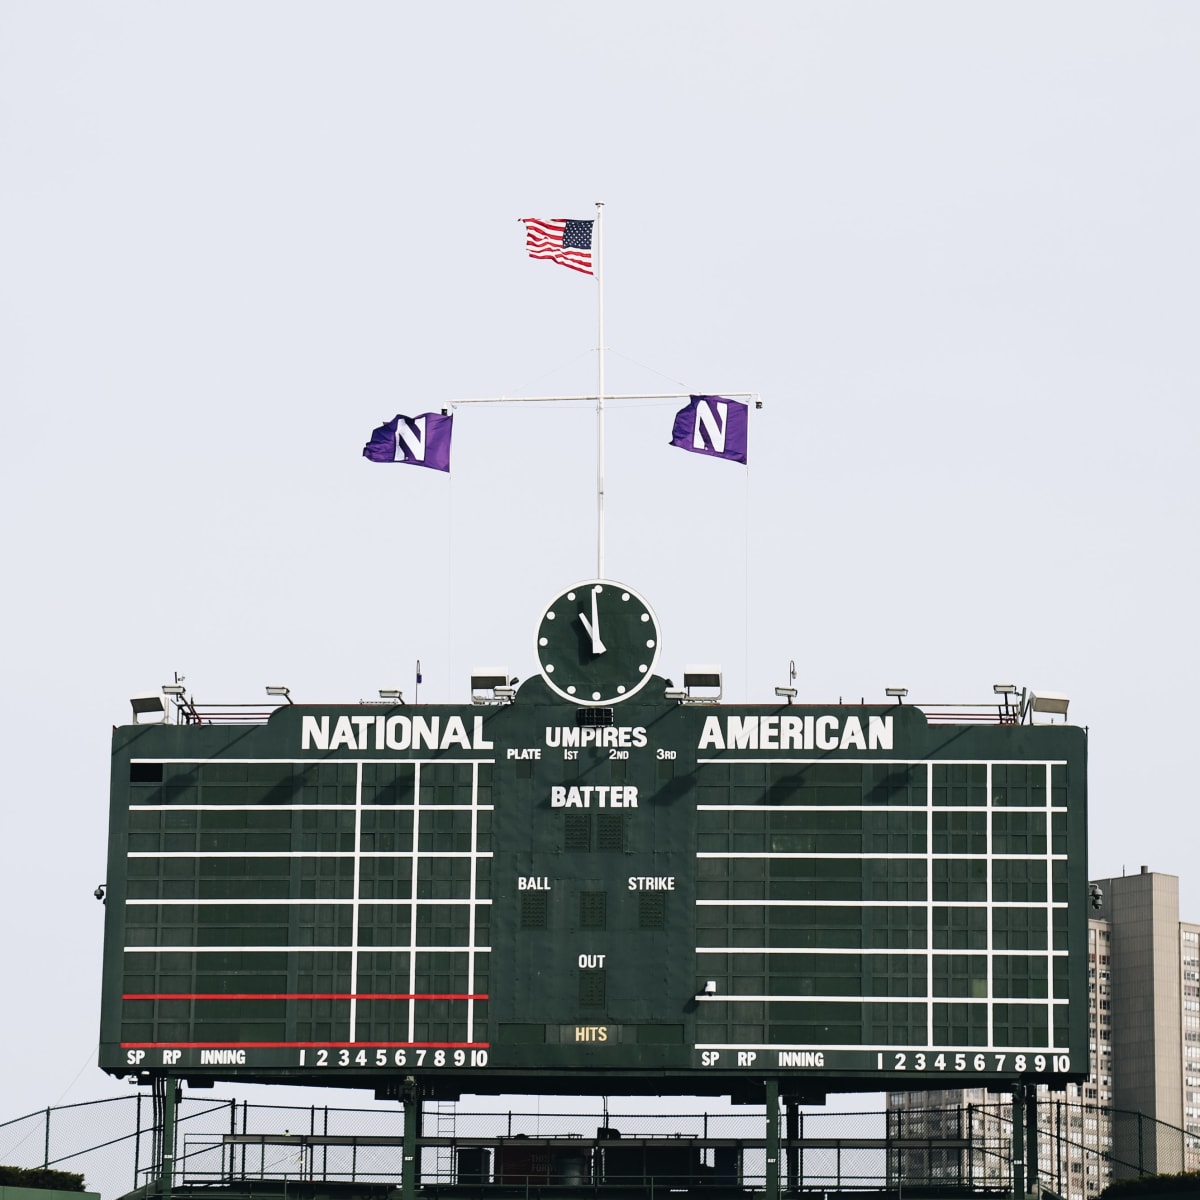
(279, 690)
(152, 705)
(393, 694)
(505, 693)
(710, 987)
(485, 681)
(1049, 702)
(707, 677)
(488, 679)
(1004, 689)
(897, 693)
(676, 694)
(173, 689)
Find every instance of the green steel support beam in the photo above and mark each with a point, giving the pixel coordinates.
(412, 1124)
(166, 1173)
(1031, 1138)
(1018, 1141)
(792, 1132)
(771, 1183)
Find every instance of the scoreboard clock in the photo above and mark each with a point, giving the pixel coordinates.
(597, 643)
(598, 888)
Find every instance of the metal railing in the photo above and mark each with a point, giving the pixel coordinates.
(116, 1145)
(190, 712)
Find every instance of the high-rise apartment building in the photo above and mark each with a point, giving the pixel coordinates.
(1189, 989)
(1144, 1049)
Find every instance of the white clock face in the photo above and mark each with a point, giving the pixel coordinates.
(597, 643)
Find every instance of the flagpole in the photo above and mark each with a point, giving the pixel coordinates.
(599, 257)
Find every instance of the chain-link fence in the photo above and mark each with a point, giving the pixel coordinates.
(1080, 1149)
(117, 1143)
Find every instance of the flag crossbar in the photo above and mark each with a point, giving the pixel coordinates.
(608, 396)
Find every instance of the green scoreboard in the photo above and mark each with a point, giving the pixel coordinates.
(598, 885)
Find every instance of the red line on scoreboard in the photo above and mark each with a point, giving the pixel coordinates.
(304, 996)
(304, 1045)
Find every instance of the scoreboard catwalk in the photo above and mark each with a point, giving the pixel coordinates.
(655, 896)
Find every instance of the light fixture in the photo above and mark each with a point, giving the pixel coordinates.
(1010, 702)
(504, 692)
(393, 694)
(485, 681)
(897, 693)
(185, 709)
(152, 705)
(788, 693)
(708, 678)
(710, 987)
(676, 694)
(279, 690)
(1049, 702)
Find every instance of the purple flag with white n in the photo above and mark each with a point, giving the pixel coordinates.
(712, 425)
(422, 441)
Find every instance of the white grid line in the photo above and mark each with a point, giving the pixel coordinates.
(310, 762)
(413, 884)
(1049, 870)
(358, 785)
(880, 904)
(864, 950)
(472, 902)
(340, 806)
(315, 949)
(858, 857)
(975, 1001)
(257, 901)
(861, 762)
(846, 808)
(991, 982)
(929, 857)
(308, 854)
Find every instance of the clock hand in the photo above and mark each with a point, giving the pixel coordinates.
(597, 645)
(593, 627)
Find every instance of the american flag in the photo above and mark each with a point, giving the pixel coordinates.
(568, 243)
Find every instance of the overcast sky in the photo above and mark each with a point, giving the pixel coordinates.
(953, 246)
